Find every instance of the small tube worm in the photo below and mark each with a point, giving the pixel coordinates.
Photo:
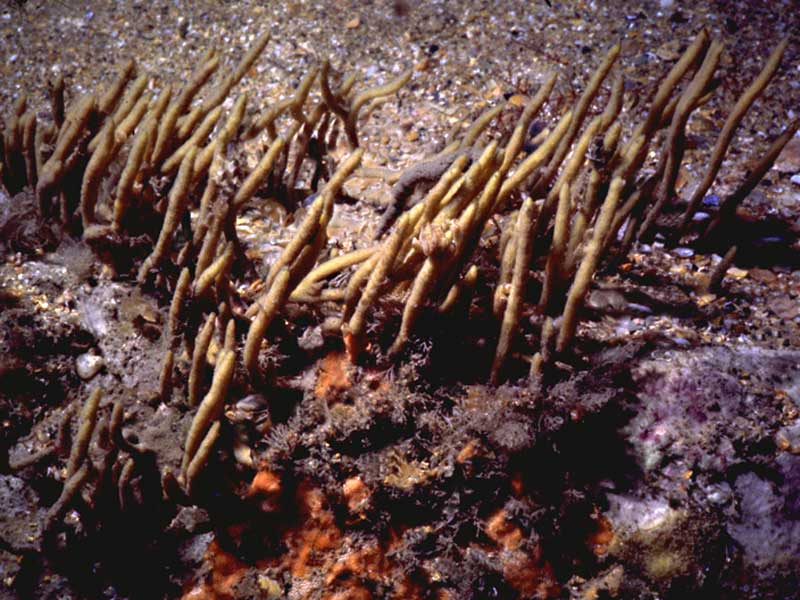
(197, 138)
(534, 160)
(554, 271)
(101, 158)
(210, 275)
(259, 174)
(743, 104)
(212, 155)
(755, 174)
(88, 421)
(121, 113)
(133, 163)
(178, 300)
(109, 100)
(165, 382)
(677, 134)
(533, 107)
(515, 297)
(578, 115)
(178, 201)
(28, 126)
(376, 281)
(569, 172)
(267, 310)
(56, 94)
(331, 267)
(167, 129)
(361, 99)
(718, 273)
(210, 408)
(74, 126)
(583, 278)
(200, 458)
(459, 291)
(481, 123)
(199, 352)
(71, 487)
(239, 72)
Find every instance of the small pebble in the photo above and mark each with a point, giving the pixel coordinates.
(711, 200)
(683, 252)
(88, 365)
(796, 179)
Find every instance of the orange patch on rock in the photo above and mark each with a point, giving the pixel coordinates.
(225, 572)
(506, 534)
(525, 571)
(333, 376)
(356, 593)
(518, 100)
(355, 493)
(469, 450)
(600, 539)
(351, 346)
(365, 563)
(316, 551)
(517, 484)
(529, 575)
(377, 380)
(354, 574)
(317, 533)
(266, 483)
(405, 589)
(408, 590)
(266, 488)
